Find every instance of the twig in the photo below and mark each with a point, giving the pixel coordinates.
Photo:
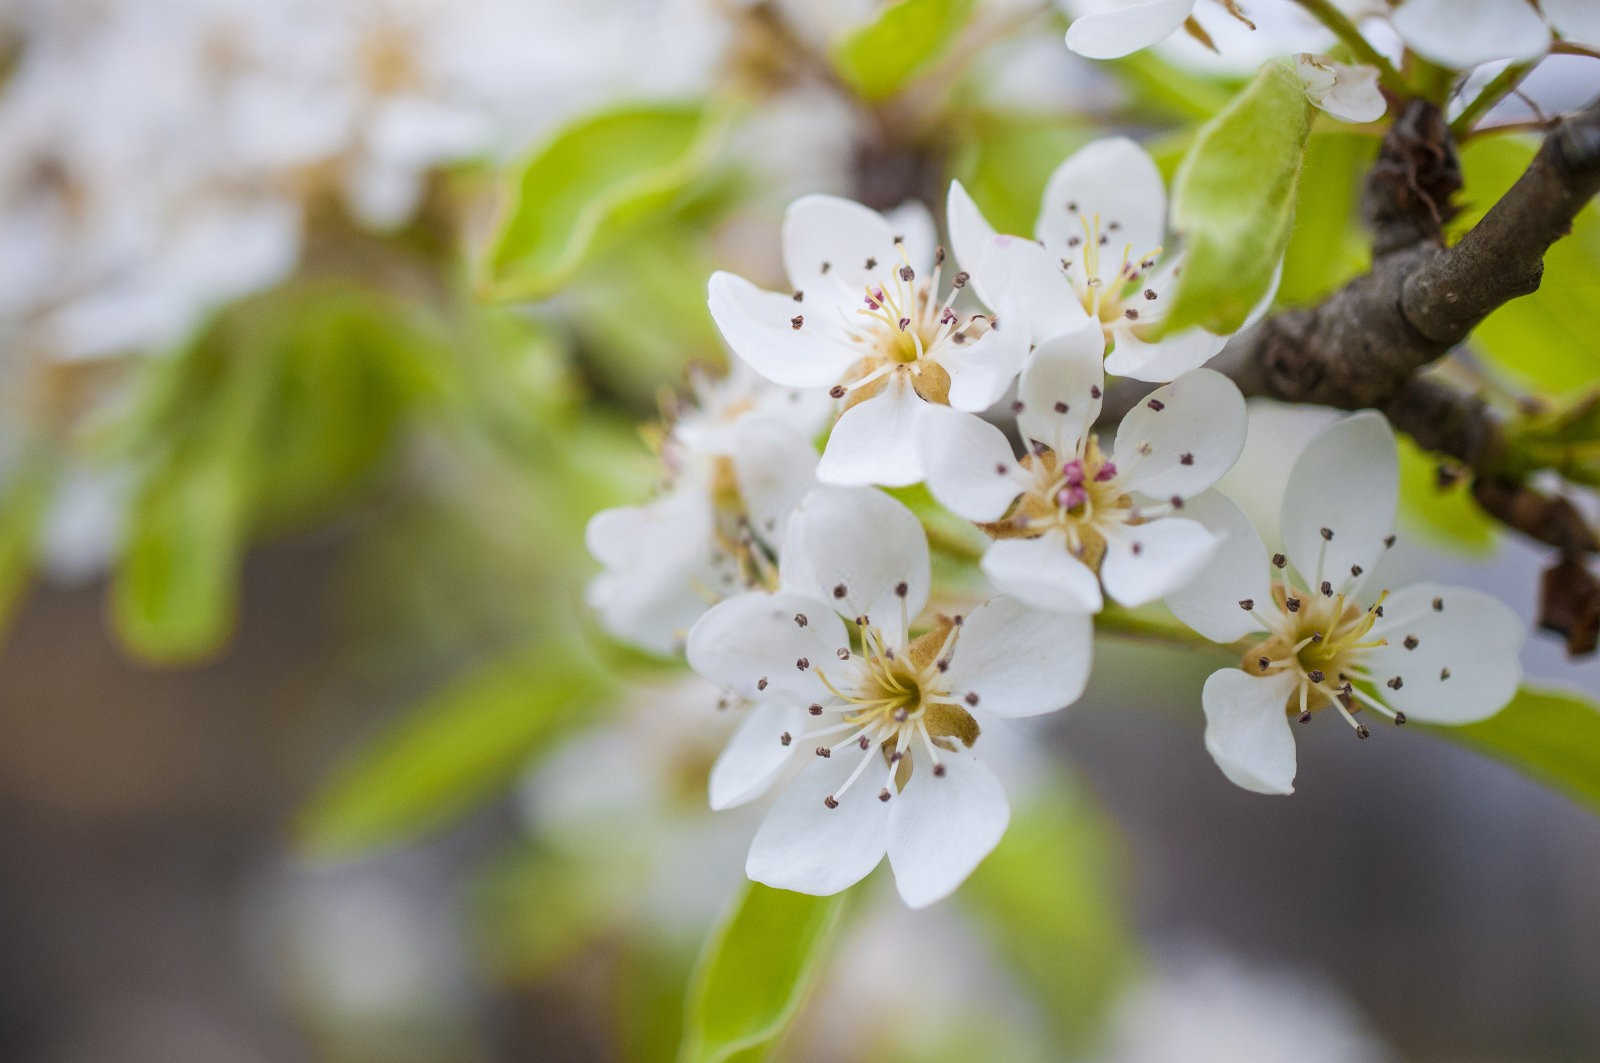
(1498, 88)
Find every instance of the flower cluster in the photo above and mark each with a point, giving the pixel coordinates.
(802, 590)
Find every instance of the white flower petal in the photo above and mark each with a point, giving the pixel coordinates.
(1464, 33)
(1182, 437)
(1122, 27)
(1043, 573)
(803, 845)
(981, 371)
(1237, 572)
(650, 598)
(1152, 560)
(1021, 661)
(853, 547)
(877, 441)
(1014, 276)
(827, 242)
(1164, 359)
(753, 644)
(759, 326)
(1116, 180)
(1463, 665)
(1575, 20)
(755, 754)
(1346, 481)
(1067, 371)
(1247, 729)
(941, 827)
(913, 223)
(1278, 433)
(971, 470)
(1344, 90)
(774, 466)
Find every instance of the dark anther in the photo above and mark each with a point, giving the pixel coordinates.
(831, 801)
(1362, 732)
(800, 620)
(1094, 391)
(1131, 314)
(1185, 458)
(960, 279)
(1137, 549)
(1410, 642)
(938, 255)
(1315, 675)
(1074, 241)
(1149, 293)
(1377, 611)
(837, 391)
(906, 273)
(999, 470)
(1444, 673)
(899, 239)
(799, 297)
(864, 742)
(796, 321)
(1061, 407)
(1292, 604)
(1396, 683)
(838, 590)
(824, 752)
(1327, 534)
(1156, 405)
(815, 710)
(903, 322)
(1247, 604)
(786, 738)
(1388, 541)
(1356, 570)
(900, 589)
(802, 663)
(1438, 605)
(1304, 717)
(1399, 719)
(826, 266)
(1017, 407)
(1177, 502)
(1279, 560)
(761, 684)
(1072, 206)
(972, 698)
(872, 263)
(1263, 663)
(1327, 589)
(883, 795)
(938, 771)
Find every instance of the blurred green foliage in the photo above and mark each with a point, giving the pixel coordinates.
(1005, 161)
(1544, 340)
(1233, 201)
(880, 58)
(1327, 245)
(581, 191)
(1442, 511)
(757, 967)
(1551, 735)
(23, 497)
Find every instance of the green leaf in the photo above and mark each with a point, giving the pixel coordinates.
(1445, 514)
(22, 504)
(460, 745)
(584, 188)
(1552, 735)
(1233, 201)
(1050, 898)
(879, 59)
(1170, 90)
(1327, 246)
(1544, 340)
(1007, 160)
(756, 969)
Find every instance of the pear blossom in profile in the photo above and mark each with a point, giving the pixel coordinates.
(1324, 637)
(869, 712)
(1068, 516)
(865, 322)
(1465, 33)
(1099, 254)
(737, 461)
(1344, 90)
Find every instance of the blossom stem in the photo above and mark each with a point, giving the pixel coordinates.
(1498, 88)
(1325, 12)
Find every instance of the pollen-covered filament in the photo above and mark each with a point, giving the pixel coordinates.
(1322, 638)
(893, 707)
(1079, 495)
(1124, 298)
(901, 327)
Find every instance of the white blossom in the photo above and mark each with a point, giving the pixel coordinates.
(865, 322)
(1099, 254)
(875, 733)
(1232, 38)
(1344, 90)
(1069, 517)
(737, 462)
(1320, 637)
(1464, 33)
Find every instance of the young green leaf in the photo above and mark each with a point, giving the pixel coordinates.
(460, 745)
(23, 497)
(1327, 245)
(756, 969)
(1006, 161)
(583, 189)
(1233, 201)
(879, 59)
(1441, 511)
(1552, 735)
